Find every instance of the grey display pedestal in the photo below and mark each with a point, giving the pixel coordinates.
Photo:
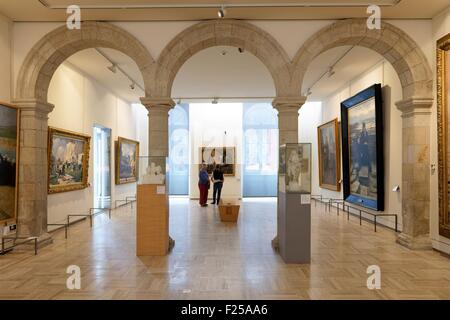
(294, 228)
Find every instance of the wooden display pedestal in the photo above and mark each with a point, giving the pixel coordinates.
(229, 210)
(152, 220)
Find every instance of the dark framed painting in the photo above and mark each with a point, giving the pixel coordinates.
(329, 155)
(223, 156)
(362, 148)
(127, 161)
(68, 160)
(443, 102)
(9, 160)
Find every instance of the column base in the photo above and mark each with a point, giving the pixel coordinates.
(422, 242)
(275, 243)
(44, 240)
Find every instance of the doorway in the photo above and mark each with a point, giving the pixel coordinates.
(102, 167)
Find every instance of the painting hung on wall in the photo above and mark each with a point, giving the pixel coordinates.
(224, 156)
(68, 160)
(443, 100)
(362, 148)
(329, 155)
(9, 150)
(295, 168)
(127, 161)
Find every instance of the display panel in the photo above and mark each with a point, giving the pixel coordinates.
(362, 147)
(295, 168)
(224, 156)
(127, 161)
(68, 160)
(153, 170)
(329, 155)
(443, 100)
(9, 151)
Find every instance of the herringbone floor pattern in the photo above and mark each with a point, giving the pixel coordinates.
(212, 260)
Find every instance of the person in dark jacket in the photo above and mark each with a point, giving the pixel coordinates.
(203, 185)
(217, 179)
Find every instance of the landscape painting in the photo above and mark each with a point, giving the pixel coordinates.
(68, 160)
(9, 127)
(127, 161)
(329, 156)
(224, 156)
(363, 149)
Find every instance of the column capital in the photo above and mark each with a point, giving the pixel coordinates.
(158, 103)
(39, 106)
(415, 106)
(288, 104)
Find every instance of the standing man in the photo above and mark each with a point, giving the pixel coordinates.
(203, 185)
(217, 180)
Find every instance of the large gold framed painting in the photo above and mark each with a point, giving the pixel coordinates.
(443, 100)
(223, 156)
(329, 155)
(9, 151)
(68, 160)
(127, 161)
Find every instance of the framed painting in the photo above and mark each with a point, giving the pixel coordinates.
(362, 148)
(224, 156)
(9, 159)
(443, 101)
(68, 160)
(127, 161)
(297, 167)
(329, 155)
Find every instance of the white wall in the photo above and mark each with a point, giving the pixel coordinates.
(207, 126)
(382, 73)
(80, 102)
(5, 58)
(441, 27)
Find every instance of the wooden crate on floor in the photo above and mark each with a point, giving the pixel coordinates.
(152, 221)
(229, 210)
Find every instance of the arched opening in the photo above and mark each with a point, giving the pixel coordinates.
(32, 89)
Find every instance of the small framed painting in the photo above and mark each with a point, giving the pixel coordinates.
(329, 155)
(362, 148)
(127, 161)
(223, 156)
(68, 160)
(9, 159)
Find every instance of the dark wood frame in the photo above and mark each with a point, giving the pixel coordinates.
(337, 185)
(86, 151)
(119, 143)
(369, 93)
(442, 46)
(16, 193)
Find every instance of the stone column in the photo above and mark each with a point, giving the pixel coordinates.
(415, 173)
(288, 108)
(158, 125)
(33, 168)
(158, 130)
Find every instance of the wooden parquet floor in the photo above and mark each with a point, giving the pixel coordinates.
(213, 260)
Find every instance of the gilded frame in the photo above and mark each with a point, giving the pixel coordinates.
(337, 185)
(16, 191)
(120, 141)
(85, 163)
(210, 168)
(443, 46)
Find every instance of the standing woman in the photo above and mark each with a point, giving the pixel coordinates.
(217, 179)
(203, 185)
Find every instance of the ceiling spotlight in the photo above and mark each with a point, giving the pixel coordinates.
(179, 102)
(221, 13)
(308, 92)
(215, 101)
(132, 86)
(241, 50)
(113, 68)
(224, 52)
(331, 72)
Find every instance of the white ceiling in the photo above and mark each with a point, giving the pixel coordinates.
(210, 74)
(176, 10)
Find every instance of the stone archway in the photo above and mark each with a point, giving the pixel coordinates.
(31, 97)
(416, 79)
